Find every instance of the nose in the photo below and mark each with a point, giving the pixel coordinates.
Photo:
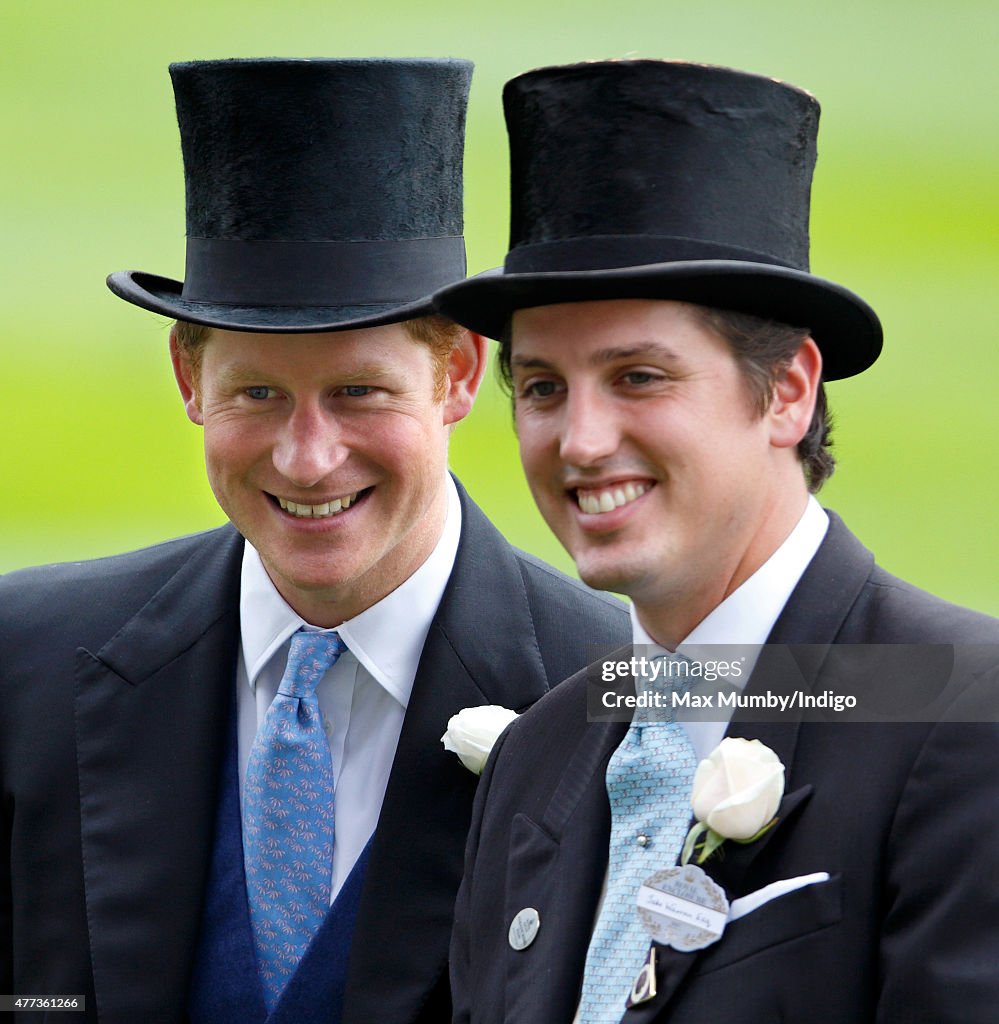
(590, 431)
(309, 447)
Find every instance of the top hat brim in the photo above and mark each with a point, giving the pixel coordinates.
(846, 329)
(163, 295)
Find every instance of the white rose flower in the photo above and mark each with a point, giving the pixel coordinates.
(738, 788)
(472, 732)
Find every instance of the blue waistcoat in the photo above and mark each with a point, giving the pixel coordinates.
(225, 987)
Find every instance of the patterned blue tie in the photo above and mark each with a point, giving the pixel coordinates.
(288, 815)
(649, 780)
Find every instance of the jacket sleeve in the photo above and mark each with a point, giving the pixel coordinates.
(940, 937)
(6, 921)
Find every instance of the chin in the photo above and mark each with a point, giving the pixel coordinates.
(602, 575)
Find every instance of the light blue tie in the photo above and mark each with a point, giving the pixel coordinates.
(288, 815)
(649, 780)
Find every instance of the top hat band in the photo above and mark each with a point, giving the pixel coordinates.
(605, 252)
(262, 272)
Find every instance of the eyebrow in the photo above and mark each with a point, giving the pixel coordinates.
(648, 348)
(240, 374)
(232, 376)
(603, 356)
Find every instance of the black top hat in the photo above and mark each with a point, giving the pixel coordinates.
(321, 194)
(657, 179)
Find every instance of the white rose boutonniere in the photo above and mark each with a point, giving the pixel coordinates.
(737, 790)
(472, 732)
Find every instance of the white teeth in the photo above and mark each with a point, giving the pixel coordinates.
(594, 502)
(326, 509)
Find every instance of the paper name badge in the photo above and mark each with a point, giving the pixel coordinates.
(683, 908)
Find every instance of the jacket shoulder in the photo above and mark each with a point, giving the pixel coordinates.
(65, 592)
(845, 597)
(574, 599)
(574, 625)
(891, 610)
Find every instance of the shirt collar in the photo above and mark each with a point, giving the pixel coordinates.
(387, 638)
(748, 614)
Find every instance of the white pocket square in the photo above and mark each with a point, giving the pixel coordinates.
(754, 900)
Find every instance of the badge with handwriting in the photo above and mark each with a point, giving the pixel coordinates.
(683, 908)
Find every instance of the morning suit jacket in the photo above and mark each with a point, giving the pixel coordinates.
(903, 817)
(116, 683)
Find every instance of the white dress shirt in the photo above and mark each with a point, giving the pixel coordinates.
(743, 621)
(363, 697)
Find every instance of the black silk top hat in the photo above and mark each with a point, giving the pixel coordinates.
(664, 180)
(321, 195)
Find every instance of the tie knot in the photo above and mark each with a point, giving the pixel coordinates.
(661, 678)
(310, 656)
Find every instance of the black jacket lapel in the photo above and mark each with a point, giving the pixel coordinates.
(151, 707)
(557, 867)
(481, 649)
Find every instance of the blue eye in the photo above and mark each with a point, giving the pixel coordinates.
(357, 390)
(258, 393)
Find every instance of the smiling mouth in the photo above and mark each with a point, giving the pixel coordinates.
(323, 510)
(606, 499)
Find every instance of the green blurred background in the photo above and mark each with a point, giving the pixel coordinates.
(97, 455)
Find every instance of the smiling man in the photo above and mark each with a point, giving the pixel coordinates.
(649, 456)
(667, 350)
(223, 794)
(365, 412)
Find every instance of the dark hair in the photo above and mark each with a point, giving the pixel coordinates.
(763, 350)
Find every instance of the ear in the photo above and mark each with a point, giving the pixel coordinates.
(466, 365)
(186, 379)
(795, 392)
